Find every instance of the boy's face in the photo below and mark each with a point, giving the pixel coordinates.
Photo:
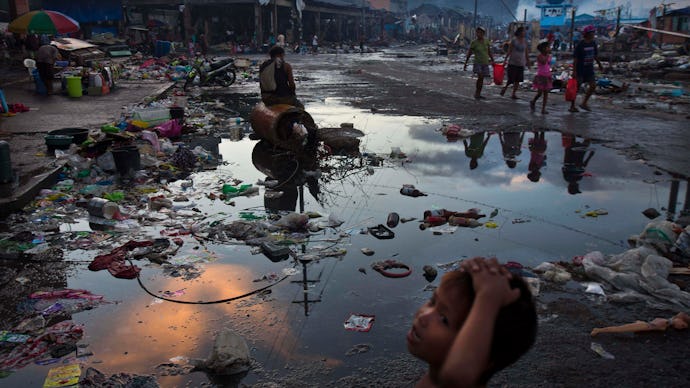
(480, 34)
(436, 324)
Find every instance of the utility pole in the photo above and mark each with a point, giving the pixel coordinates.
(618, 21)
(572, 28)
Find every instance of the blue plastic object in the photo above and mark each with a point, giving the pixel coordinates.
(40, 86)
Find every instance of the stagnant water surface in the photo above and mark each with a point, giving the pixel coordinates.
(538, 220)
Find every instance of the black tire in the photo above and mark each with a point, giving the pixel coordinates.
(228, 78)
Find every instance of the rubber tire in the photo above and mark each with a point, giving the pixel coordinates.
(229, 78)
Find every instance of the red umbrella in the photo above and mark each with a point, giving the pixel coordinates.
(43, 22)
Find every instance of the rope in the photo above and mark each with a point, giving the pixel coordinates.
(143, 287)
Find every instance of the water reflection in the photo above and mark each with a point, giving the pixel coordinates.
(511, 144)
(576, 156)
(290, 171)
(475, 149)
(537, 158)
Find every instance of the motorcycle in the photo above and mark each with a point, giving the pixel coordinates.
(220, 71)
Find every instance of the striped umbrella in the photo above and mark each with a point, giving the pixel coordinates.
(43, 22)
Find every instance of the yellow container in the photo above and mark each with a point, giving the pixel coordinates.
(74, 86)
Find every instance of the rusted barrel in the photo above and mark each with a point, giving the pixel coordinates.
(275, 124)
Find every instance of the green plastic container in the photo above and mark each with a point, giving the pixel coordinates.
(74, 86)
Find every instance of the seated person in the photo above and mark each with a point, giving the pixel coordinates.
(480, 320)
(276, 80)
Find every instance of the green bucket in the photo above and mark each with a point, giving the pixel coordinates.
(74, 86)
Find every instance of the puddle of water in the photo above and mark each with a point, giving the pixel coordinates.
(537, 221)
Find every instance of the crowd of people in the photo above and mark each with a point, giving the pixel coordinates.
(585, 55)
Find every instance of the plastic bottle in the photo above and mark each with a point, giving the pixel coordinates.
(411, 191)
(393, 220)
(432, 221)
(463, 221)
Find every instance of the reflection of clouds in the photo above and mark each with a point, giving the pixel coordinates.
(142, 338)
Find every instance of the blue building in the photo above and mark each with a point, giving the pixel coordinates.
(554, 12)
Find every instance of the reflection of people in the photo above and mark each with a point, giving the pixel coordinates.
(537, 149)
(282, 89)
(679, 322)
(479, 320)
(475, 149)
(517, 58)
(511, 143)
(584, 56)
(574, 161)
(481, 48)
(46, 56)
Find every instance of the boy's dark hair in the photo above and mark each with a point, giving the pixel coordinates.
(275, 51)
(515, 328)
(519, 30)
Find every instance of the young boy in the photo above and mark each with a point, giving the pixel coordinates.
(481, 48)
(584, 56)
(480, 320)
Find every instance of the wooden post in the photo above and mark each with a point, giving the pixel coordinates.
(572, 29)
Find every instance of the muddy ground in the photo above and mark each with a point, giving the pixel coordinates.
(409, 82)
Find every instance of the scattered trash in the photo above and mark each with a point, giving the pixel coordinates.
(596, 213)
(598, 349)
(359, 322)
(63, 376)
(552, 272)
(494, 213)
(362, 270)
(393, 220)
(680, 322)
(520, 221)
(411, 191)
(651, 213)
(382, 267)
(367, 251)
(491, 225)
(381, 232)
(430, 273)
(594, 288)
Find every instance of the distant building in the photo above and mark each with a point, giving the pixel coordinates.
(677, 20)
(554, 12)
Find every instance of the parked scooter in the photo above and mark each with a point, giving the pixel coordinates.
(219, 71)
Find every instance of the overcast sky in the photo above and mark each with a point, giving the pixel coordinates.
(638, 8)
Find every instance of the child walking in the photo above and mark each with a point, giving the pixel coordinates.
(481, 48)
(479, 320)
(542, 81)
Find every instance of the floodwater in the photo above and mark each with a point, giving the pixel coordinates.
(301, 322)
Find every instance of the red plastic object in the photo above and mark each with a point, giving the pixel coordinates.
(571, 90)
(499, 69)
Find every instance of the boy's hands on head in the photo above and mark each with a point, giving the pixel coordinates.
(491, 281)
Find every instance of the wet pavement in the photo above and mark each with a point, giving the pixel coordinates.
(535, 219)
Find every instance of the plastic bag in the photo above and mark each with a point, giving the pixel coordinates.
(571, 90)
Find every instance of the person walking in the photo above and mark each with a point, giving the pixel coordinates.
(481, 49)
(315, 44)
(584, 56)
(542, 81)
(46, 56)
(517, 58)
